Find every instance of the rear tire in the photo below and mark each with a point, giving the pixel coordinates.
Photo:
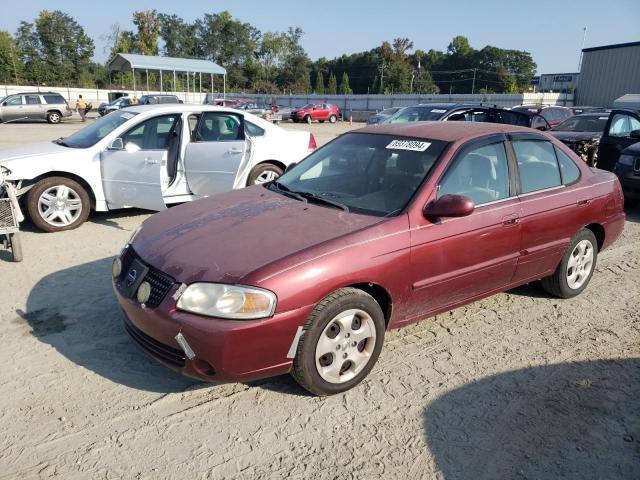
(54, 117)
(263, 173)
(349, 325)
(15, 243)
(64, 202)
(576, 267)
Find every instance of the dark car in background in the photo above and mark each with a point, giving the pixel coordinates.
(582, 133)
(382, 115)
(544, 117)
(49, 106)
(580, 109)
(157, 99)
(117, 104)
(622, 131)
(449, 112)
(627, 168)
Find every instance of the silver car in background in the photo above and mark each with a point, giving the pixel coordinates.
(49, 106)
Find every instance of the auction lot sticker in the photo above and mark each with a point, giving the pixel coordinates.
(413, 145)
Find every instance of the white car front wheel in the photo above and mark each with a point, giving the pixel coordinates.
(58, 203)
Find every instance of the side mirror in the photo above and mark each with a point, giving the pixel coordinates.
(116, 144)
(449, 206)
(635, 134)
(290, 166)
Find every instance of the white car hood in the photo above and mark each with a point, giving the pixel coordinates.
(31, 151)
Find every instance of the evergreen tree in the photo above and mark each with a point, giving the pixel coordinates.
(332, 88)
(319, 84)
(345, 89)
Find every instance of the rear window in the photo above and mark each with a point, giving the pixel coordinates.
(417, 114)
(54, 99)
(537, 164)
(579, 123)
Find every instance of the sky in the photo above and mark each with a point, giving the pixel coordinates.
(552, 31)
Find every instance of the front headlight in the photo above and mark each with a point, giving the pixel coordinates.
(626, 160)
(227, 301)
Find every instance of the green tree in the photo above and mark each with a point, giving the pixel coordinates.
(146, 38)
(332, 87)
(295, 74)
(10, 64)
(345, 89)
(272, 53)
(179, 37)
(319, 84)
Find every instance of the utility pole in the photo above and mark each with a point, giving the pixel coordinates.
(584, 38)
(473, 85)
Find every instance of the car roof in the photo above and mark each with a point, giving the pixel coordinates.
(35, 93)
(446, 131)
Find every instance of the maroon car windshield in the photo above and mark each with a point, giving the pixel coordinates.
(363, 173)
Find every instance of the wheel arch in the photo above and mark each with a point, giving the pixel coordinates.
(599, 232)
(380, 295)
(71, 176)
(277, 163)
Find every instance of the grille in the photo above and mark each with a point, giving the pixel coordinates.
(160, 282)
(7, 219)
(155, 348)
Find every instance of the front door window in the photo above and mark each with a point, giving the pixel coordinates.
(622, 125)
(152, 134)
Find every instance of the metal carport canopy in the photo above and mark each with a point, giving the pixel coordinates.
(123, 62)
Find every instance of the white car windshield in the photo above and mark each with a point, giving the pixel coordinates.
(92, 134)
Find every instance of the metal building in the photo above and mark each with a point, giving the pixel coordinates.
(608, 72)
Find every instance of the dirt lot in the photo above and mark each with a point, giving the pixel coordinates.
(518, 385)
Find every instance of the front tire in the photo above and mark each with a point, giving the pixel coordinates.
(340, 343)
(333, 119)
(54, 117)
(56, 204)
(576, 268)
(307, 119)
(263, 173)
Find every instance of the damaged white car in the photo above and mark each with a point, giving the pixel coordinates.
(149, 157)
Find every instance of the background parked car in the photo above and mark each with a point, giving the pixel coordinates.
(582, 133)
(622, 131)
(443, 112)
(157, 99)
(316, 111)
(117, 104)
(149, 156)
(382, 115)
(627, 168)
(552, 115)
(49, 106)
(580, 109)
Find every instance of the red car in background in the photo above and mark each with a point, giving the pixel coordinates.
(380, 228)
(316, 111)
(545, 116)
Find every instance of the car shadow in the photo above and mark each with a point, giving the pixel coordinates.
(75, 311)
(633, 214)
(570, 420)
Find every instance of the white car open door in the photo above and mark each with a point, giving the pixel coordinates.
(216, 153)
(134, 172)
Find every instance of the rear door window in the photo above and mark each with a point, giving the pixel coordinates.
(482, 174)
(537, 164)
(568, 170)
(32, 99)
(217, 126)
(54, 99)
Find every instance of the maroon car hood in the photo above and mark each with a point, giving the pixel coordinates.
(225, 237)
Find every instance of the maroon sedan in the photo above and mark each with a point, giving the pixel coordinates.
(380, 228)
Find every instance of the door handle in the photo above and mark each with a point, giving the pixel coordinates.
(235, 151)
(150, 161)
(584, 203)
(510, 220)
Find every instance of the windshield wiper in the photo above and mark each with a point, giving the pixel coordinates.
(321, 199)
(287, 191)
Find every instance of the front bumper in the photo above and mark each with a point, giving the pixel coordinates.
(629, 180)
(225, 350)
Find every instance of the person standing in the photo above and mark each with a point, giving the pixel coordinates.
(81, 107)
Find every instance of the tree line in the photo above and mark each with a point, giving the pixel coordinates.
(54, 49)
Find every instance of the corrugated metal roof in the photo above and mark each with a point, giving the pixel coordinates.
(127, 61)
(609, 47)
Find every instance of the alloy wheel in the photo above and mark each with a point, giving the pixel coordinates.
(266, 176)
(580, 264)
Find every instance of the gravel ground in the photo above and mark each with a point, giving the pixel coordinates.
(519, 385)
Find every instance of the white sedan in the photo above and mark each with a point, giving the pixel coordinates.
(149, 157)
